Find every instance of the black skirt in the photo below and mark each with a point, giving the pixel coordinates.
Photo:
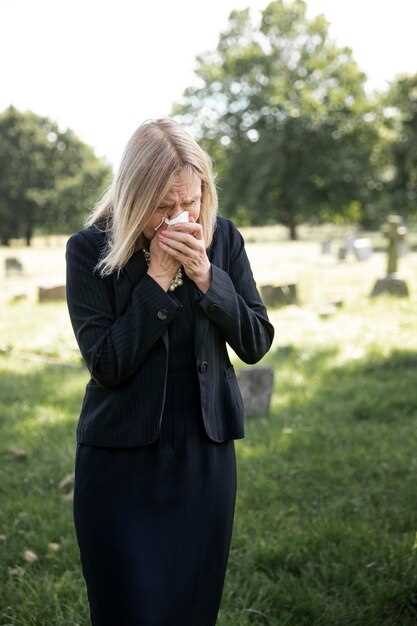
(154, 523)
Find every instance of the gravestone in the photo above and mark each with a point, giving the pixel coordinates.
(403, 248)
(256, 385)
(349, 241)
(395, 232)
(326, 311)
(346, 247)
(51, 293)
(18, 297)
(338, 302)
(326, 246)
(392, 285)
(362, 249)
(13, 265)
(341, 253)
(279, 295)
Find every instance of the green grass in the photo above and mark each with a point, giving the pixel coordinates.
(326, 514)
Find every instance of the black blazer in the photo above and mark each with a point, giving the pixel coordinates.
(121, 327)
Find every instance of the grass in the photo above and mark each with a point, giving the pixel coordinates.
(326, 514)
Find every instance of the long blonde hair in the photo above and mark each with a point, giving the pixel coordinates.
(156, 152)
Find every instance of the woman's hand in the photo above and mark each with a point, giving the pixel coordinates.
(162, 265)
(185, 243)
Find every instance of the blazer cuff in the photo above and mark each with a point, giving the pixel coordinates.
(221, 293)
(198, 294)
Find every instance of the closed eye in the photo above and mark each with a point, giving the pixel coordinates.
(167, 208)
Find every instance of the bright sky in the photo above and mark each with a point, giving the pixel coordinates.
(101, 68)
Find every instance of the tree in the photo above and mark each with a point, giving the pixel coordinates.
(285, 114)
(400, 119)
(48, 177)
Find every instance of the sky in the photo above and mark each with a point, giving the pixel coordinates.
(101, 68)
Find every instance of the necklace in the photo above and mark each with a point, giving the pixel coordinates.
(176, 281)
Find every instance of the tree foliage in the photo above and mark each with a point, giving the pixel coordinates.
(400, 120)
(284, 112)
(48, 177)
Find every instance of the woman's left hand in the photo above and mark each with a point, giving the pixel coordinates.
(186, 243)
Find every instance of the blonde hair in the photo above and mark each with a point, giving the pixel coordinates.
(156, 152)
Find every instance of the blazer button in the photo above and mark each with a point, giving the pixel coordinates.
(203, 366)
(162, 314)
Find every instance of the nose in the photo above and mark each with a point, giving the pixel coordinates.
(178, 209)
(176, 212)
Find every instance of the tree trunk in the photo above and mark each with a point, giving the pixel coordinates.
(293, 230)
(288, 220)
(28, 234)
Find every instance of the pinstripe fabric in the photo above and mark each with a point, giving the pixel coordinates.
(120, 324)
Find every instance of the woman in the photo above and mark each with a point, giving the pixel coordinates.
(152, 305)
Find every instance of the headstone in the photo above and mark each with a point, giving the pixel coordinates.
(327, 311)
(51, 293)
(13, 265)
(279, 295)
(394, 231)
(362, 249)
(392, 285)
(256, 385)
(403, 248)
(326, 246)
(18, 297)
(346, 247)
(342, 253)
(349, 241)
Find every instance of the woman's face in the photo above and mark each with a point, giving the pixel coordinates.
(184, 195)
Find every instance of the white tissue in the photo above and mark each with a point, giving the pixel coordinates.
(180, 219)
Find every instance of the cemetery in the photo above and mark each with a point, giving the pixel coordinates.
(306, 125)
(312, 407)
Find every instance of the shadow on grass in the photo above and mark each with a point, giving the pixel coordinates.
(40, 408)
(327, 507)
(326, 513)
(375, 387)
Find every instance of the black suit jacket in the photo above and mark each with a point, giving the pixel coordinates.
(121, 324)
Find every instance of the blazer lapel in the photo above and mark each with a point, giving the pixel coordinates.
(135, 267)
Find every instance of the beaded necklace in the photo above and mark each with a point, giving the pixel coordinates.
(176, 281)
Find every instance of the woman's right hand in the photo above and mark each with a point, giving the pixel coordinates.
(162, 264)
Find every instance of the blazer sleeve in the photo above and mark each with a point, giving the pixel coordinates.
(233, 303)
(112, 348)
